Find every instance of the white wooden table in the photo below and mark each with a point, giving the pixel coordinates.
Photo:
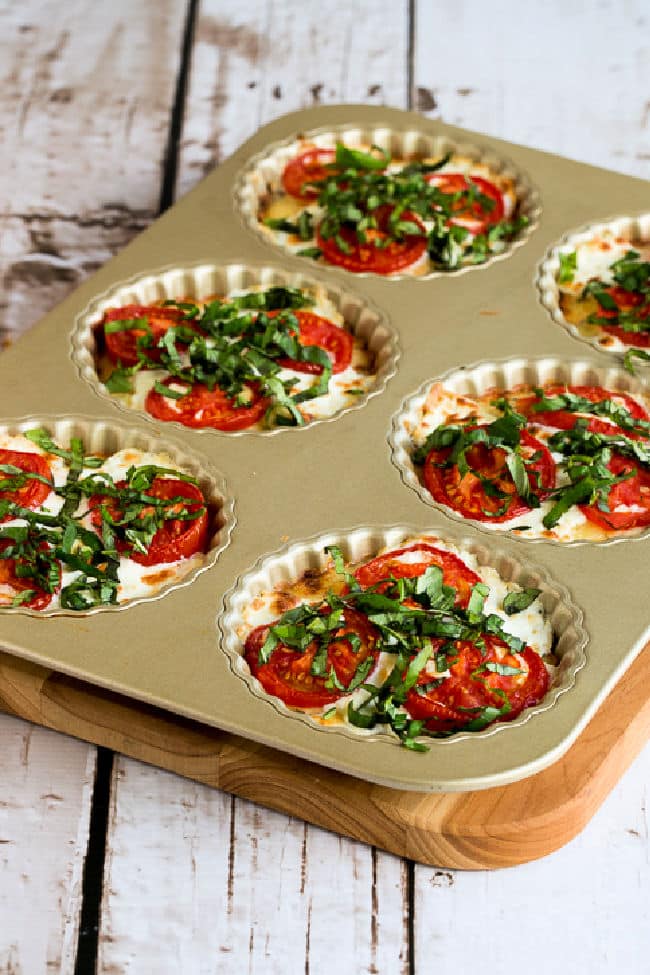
(108, 112)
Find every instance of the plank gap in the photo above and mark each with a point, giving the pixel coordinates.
(93, 874)
(410, 916)
(170, 161)
(411, 12)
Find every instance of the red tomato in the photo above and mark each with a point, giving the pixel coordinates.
(201, 407)
(287, 673)
(395, 256)
(627, 301)
(178, 538)
(454, 571)
(635, 491)
(33, 492)
(468, 686)
(467, 494)
(16, 584)
(309, 167)
(475, 217)
(566, 420)
(316, 330)
(122, 346)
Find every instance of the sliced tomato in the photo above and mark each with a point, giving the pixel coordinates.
(626, 301)
(287, 673)
(566, 419)
(202, 407)
(12, 585)
(309, 167)
(631, 493)
(316, 330)
(122, 347)
(471, 686)
(467, 494)
(388, 259)
(413, 561)
(33, 492)
(470, 213)
(177, 538)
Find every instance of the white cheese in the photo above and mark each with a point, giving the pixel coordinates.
(135, 580)
(441, 406)
(531, 625)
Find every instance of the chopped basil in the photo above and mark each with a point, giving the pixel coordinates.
(568, 265)
(358, 184)
(519, 600)
(417, 620)
(124, 514)
(631, 354)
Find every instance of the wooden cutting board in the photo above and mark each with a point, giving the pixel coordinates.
(472, 830)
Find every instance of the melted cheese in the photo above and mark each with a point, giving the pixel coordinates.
(594, 259)
(344, 387)
(135, 581)
(531, 625)
(442, 406)
(282, 206)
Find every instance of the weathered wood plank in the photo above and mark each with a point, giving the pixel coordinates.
(229, 886)
(252, 62)
(85, 102)
(568, 78)
(44, 817)
(583, 909)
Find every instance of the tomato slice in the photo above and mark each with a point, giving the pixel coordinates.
(309, 167)
(468, 496)
(202, 407)
(316, 330)
(471, 685)
(12, 585)
(287, 673)
(413, 561)
(631, 493)
(122, 346)
(33, 492)
(566, 419)
(395, 256)
(475, 216)
(178, 538)
(626, 301)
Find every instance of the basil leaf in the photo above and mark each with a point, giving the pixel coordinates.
(568, 266)
(518, 601)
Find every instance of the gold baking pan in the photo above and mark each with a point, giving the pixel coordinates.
(337, 478)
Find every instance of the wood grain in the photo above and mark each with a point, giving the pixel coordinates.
(85, 103)
(568, 78)
(44, 819)
(492, 828)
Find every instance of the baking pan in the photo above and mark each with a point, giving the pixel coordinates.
(337, 476)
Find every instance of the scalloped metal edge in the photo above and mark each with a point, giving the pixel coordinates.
(387, 352)
(211, 481)
(246, 196)
(555, 369)
(360, 542)
(629, 227)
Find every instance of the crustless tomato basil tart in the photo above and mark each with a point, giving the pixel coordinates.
(420, 641)
(604, 292)
(560, 461)
(252, 360)
(80, 531)
(364, 210)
